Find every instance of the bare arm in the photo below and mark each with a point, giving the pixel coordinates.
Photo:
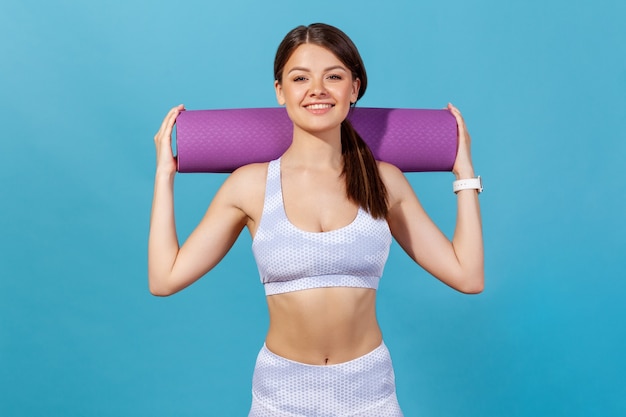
(460, 262)
(171, 267)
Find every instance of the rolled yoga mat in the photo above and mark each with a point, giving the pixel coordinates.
(414, 140)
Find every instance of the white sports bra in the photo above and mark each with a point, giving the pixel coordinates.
(290, 259)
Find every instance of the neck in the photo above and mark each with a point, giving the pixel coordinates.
(319, 149)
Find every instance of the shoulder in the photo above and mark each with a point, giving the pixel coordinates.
(247, 179)
(398, 187)
(387, 169)
(256, 173)
(245, 187)
(391, 175)
(247, 176)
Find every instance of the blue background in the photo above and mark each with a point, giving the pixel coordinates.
(84, 86)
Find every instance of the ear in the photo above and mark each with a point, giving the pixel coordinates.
(356, 86)
(279, 93)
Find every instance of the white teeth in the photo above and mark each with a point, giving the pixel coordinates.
(319, 106)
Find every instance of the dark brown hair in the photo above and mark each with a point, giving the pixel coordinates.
(363, 183)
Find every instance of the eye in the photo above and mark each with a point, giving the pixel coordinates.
(299, 78)
(335, 77)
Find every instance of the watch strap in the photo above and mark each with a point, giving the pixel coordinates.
(468, 184)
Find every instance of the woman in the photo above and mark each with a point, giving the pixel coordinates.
(321, 218)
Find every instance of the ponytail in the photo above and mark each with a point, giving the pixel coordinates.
(363, 183)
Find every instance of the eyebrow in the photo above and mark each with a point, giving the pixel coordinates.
(334, 67)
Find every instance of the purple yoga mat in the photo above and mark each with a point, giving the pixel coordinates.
(223, 140)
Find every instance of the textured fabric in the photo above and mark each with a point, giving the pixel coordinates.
(291, 259)
(363, 387)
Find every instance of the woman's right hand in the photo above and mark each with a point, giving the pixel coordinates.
(165, 160)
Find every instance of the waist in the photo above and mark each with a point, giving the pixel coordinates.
(323, 326)
(362, 386)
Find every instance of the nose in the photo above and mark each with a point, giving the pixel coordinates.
(317, 88)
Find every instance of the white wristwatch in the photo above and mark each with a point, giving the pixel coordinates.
(468, 184)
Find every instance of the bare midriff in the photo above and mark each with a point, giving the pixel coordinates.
(323, 326)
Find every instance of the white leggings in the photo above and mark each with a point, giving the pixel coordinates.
(362, 387)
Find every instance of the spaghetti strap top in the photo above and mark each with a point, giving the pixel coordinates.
(290, 259)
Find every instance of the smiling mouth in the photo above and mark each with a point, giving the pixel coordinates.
(319, 106)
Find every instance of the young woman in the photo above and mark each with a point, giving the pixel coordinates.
(321, 217)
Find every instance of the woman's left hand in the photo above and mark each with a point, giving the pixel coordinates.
(463, 167)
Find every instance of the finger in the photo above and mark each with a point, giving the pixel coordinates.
(459, 119)
(456, 112)
(169, 120)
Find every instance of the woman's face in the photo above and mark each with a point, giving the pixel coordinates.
(316, 88)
